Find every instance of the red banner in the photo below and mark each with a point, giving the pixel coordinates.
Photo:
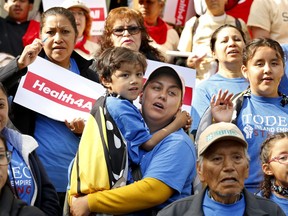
(181, 12)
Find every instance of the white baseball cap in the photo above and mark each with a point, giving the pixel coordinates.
(219, 131)
(75, 3)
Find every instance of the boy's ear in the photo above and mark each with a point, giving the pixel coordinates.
(140, 97)
(105, 82)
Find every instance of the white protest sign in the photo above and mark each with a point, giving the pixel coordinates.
(61, 94)
(98, 12)
(56, 92)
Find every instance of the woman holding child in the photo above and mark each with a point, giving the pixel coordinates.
(165, 177)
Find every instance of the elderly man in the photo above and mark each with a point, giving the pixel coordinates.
(222, 165)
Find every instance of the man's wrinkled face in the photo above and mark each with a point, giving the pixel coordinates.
(224, 169)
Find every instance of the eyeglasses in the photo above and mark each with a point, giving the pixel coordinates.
(132, 30)
(282, 159)
(5, 157)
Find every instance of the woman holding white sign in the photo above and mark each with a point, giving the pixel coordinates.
(58, 141)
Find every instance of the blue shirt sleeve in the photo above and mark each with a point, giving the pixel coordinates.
(172, 161)
(130, 123)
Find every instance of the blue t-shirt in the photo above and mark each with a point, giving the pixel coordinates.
(282, 202)
(172, 161)
(130, 123)
(213, 208)
(20, 175)
(258, 118)
(206, 89)
(57, 145)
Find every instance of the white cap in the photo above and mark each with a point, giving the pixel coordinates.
(219, 131)
(75, 3)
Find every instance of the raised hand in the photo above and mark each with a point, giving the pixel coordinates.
(222, 106)
(30, 53)
(194, 60)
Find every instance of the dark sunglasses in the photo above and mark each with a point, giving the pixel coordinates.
(132, 30)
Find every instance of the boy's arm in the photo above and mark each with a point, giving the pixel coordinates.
(179, 122)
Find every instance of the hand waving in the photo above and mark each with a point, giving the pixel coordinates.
(222, 106)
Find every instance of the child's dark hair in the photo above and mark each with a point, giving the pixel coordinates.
(252, 46)
(265, 154)
(111, 59)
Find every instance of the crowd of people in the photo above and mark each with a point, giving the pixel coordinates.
(230, 155)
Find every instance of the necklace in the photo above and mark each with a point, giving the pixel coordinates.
(283, 191)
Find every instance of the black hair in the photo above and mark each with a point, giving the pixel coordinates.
(215, 34)
(252, 46)
(59, 11)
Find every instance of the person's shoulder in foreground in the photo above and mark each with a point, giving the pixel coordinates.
(9, 205)
(192, 205)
